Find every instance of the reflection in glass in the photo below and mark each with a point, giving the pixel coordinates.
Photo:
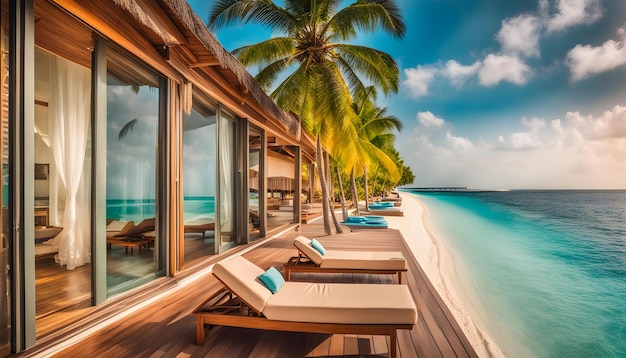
(62, 187)
(199, 173)
(254, 144)
(132, 121)
(5, 280)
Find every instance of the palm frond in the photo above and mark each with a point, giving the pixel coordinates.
(293, 94)
(369, 16)
(381, 158)
(267, 13)
(376, 125)
(333, 97)
(128, 127)
(377, 66)
(266, 51)
(352, 78)
(268, 75)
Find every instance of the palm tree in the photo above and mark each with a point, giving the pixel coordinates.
(375, 142)
(322, 71)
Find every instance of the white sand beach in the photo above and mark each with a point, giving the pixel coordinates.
(432, 255)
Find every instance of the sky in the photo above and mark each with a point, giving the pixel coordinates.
(525, 94)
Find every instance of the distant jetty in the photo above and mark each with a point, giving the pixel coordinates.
(451, 189)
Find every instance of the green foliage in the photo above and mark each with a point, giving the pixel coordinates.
(328, 82)
(322, 72)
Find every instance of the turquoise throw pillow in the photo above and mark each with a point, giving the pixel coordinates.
(317, 246)
(272, 279)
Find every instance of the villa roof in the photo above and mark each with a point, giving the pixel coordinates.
(188, 34)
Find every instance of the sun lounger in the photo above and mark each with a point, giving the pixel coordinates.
(338, 261)
(131, 236)
(365, 222)
(115, 227)
(386, 211)
(330, 308)
(199, 228)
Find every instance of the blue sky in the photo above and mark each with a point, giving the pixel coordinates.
(503, 94)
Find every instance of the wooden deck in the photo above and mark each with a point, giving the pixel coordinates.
(166, 326)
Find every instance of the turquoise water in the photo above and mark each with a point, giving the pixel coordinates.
(545, 270)
(195, 208)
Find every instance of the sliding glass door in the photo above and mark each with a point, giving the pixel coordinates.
(5, 279)
(199, 179)
(132, 129)
(227, 169)
(62, 147)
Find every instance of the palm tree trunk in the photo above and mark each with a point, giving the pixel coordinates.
(331, 197)
(374, 181)
(367, 194)
(344, 211)
(355, 197)
(320, 173)
(384, 189)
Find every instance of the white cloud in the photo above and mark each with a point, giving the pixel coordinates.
(497, 68)
(418, 79)
(574, 12)
(610, 125)
(459, 143)
(586, 60)
(427, 119)
(520, 35)
(519, 141)
(534, 124)
(519, 38)
(579, 151)
(458, 73)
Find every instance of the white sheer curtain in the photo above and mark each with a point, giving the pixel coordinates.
(225, 129)
(69, 124)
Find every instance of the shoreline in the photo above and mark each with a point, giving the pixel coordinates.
(429, 250)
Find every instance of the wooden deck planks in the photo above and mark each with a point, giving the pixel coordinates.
(167, 328)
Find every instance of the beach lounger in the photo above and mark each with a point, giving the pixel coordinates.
(330, 308)
(386, 211)
(310, 259)
(201, 228)
(131, 236)
(365, 222)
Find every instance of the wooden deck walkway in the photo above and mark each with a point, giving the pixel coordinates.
(166, 327)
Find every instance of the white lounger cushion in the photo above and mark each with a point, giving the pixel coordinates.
(366, 260)
(342, 303)
(45, 249)
(304, 244)
(339, 259)
(241, 277)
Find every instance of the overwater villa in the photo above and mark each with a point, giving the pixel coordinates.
(134, 147)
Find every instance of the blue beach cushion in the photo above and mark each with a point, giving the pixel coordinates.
(272, 279)
(317, 246)
(355, 219)
(382, 204)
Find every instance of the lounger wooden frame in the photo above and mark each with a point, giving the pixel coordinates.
(302, 263)
(226, 309)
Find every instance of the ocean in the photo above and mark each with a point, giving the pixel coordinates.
(543, 272)
(196, 209)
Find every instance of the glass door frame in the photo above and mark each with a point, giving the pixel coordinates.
(219, 247)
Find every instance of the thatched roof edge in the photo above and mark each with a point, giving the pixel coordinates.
(227, 61)
(137, 12)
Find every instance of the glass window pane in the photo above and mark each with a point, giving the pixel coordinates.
(199, 173)
(132, 128)
(62, 180)
(5, 298)
(226, 135)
